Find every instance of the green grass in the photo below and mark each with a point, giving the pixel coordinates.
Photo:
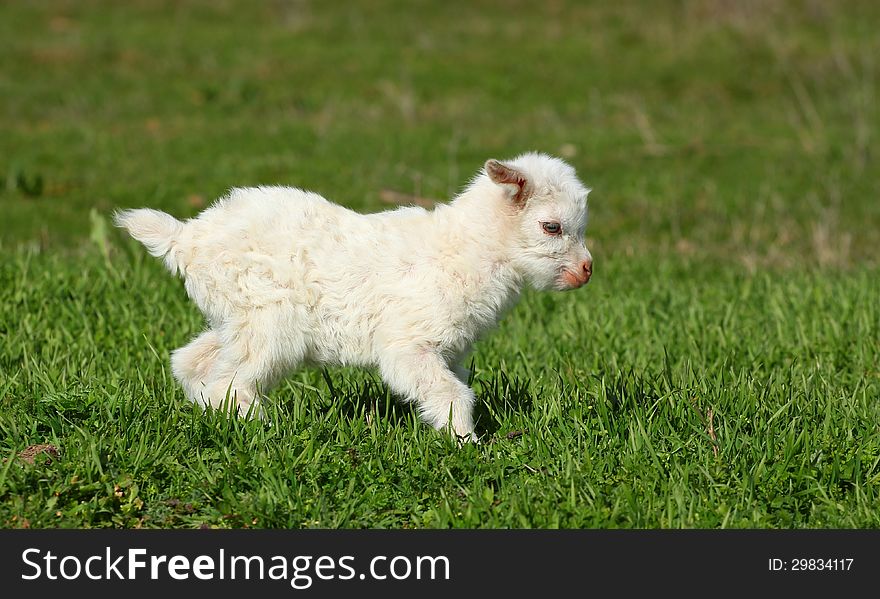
(722, 369)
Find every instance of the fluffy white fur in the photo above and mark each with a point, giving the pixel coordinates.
(285, 277)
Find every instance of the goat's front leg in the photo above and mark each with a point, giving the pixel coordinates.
(458, 367)
(423, 377)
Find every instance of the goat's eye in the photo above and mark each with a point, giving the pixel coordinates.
(552, 228)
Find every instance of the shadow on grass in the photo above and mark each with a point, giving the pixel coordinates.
(365, 398)
(498, 399)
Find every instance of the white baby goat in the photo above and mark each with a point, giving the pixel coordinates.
(284, 276)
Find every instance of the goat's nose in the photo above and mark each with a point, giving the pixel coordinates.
(588, 269)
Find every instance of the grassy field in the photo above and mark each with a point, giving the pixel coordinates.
(722, 368)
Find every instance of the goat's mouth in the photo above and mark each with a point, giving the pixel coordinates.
(571, 280)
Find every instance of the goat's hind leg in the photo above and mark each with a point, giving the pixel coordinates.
(193, 364)
(255, 353)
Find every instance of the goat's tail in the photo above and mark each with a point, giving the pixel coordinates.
(158, 231)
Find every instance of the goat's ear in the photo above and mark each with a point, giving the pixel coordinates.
(513, 180)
